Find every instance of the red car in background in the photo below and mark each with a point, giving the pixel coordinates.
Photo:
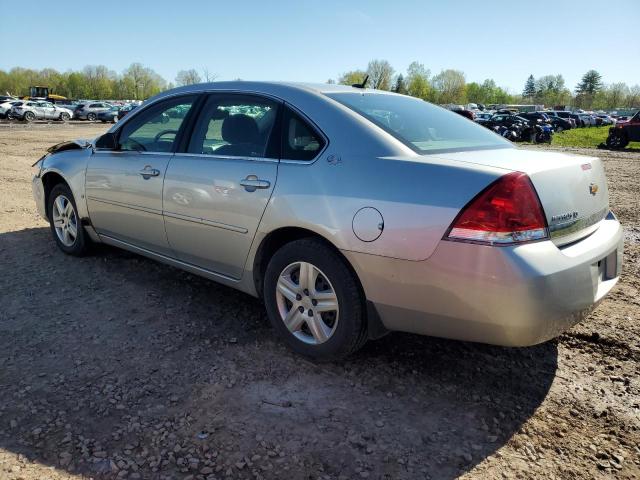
(624, 132)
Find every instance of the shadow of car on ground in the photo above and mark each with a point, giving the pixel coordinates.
(116, 366)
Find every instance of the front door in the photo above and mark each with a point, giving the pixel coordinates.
(124, 186)
(216, 193)
(49, 111)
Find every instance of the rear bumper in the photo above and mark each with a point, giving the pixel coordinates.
(512, 296)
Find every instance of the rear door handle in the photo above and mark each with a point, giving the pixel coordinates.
(252, 183)
(148, 171)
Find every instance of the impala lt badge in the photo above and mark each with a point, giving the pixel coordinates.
(564, 217)
(593, 188)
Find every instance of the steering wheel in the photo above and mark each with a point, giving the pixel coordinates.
(163, 133)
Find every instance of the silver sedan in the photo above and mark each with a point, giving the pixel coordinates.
(350, 211)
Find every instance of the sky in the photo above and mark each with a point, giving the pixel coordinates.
(317, 40)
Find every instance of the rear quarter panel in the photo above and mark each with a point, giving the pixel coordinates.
(417, 196)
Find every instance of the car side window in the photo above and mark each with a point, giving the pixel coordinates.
(155, 128)
(235, 125)
(300, 141)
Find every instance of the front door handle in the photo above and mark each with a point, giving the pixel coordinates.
(252, 182)
(148, 171)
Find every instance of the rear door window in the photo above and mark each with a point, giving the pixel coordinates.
(236, 125)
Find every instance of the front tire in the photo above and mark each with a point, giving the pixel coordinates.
(617, 141)
(65, 117)
(314, 300)
(65, 223)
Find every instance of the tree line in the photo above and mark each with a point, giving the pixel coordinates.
(450, 86)
(138, 82)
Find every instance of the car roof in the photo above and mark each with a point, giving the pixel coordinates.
(274, 88)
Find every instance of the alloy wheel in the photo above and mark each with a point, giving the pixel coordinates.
(65, 220)
(307, 303)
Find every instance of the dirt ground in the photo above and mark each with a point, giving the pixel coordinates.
(113, 366)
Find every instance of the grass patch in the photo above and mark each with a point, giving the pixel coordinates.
(589, 137)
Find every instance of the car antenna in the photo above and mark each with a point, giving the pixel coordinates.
(363, 84)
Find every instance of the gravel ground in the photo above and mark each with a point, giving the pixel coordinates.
(113, 366)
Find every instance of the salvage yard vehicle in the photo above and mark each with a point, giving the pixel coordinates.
(624, 132)
(125, 110)
(6, 106)
(110, 115)
(350, 211)
(90, 110)
(30, 111)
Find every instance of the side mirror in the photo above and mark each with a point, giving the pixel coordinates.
(107, 141)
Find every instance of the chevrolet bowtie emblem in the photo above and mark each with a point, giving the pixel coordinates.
(593, 189)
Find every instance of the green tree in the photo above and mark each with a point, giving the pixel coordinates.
(142, 82)
(400, 86)
(380, 74)
(352, 77)
(633, 98)
(551, 90)
(590, 84)
(187, 77)
(587, 88)
(529, 88)
(450, 86)
(418, 84)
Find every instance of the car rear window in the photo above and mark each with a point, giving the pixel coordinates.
(421, 126)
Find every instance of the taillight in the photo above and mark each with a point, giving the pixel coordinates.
(506, 212)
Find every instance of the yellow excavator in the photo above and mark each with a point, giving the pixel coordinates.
(42, 93)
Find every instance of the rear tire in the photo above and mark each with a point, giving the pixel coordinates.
(617, 141)
(64, 222)
(337, 327)
(29, 117)
(91, 117)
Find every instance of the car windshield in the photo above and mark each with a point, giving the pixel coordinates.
(423, 127)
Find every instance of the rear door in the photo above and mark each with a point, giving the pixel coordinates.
(217, 190)
(124, 186)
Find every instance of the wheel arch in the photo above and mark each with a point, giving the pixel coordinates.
(279, 237)
(49, 180)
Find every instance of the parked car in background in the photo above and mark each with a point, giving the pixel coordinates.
(466, 113)
(350, 211)
(126, 110)
(5, 107)
(90, 110)
(40, 110)
(481, 117)
(588, 120)
(110, 115)
(607, 120)
(624, 132)
(566, 114)
(7, 98)
(570, 122)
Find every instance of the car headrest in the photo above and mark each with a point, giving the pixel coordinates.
(239, 129)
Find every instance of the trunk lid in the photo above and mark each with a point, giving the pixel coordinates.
(572, 189)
